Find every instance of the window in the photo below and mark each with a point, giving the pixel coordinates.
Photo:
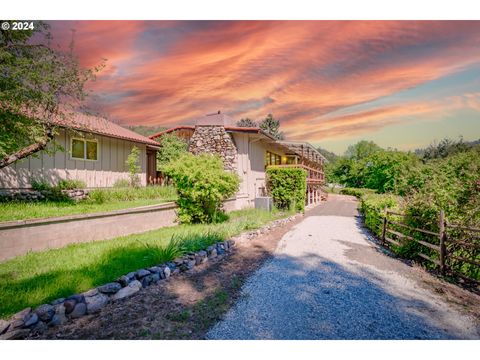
(272, 159)
(84, 149)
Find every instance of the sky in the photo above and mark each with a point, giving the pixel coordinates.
(402, 84)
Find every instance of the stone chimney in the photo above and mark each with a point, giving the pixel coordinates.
(211, 137)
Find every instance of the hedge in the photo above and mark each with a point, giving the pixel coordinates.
(288, 187)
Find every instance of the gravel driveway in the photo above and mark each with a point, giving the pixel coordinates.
(327, 280)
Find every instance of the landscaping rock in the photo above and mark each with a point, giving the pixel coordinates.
(45, 312)
(110, 288)
(22, 314)
(155, 278)
(4, 325)
(125, 280)
(16, 324)
(79, 310)
(212, 251)
(59, 318)
(69, 305)
(57, 301)
(155, 269)
(31, 319)
(231, 243)
(15, 334)
(178, 262)
(129, 290)
(147, 280)
(81, 297)
(226, 245)
(89, 293)
(166, 272)
(131, 275)
(201, 257)
(39, 327)
(95, 303)
(142, 273)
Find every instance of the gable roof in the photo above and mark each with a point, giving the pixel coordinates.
(250, 130)
(101, 126)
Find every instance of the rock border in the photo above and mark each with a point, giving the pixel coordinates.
(62, 310)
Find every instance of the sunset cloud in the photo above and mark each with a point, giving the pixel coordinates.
(304, 72)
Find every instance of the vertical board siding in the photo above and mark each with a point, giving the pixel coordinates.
(110, 166)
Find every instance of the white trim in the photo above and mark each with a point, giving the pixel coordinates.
(84, 149)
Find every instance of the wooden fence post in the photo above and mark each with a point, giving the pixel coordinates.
(442, 235)
(384, 227)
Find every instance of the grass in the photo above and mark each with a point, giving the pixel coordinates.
(41, 277)
(100, 201)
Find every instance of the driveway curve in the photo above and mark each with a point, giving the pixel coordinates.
(328, 280)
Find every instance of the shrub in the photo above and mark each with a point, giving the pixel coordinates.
(372, 207)
(202, 185)
(71, 184)
(357, 192)
(40, 185)
(121, 183)
(172, 147)
(133, 167)
(287, 186)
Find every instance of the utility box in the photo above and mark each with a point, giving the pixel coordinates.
(264, 202)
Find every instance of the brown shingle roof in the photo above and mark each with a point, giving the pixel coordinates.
(101, 126)
(227, 128)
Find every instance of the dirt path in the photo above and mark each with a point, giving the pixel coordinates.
(329, 280)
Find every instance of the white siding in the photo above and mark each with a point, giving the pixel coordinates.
(110, 166)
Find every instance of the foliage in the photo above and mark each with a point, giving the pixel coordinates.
(40, 185)
(79, 267)
(328, 155)
(71, 184)
(172, 147)
(38, 84)
(443, 148)
(362, 150)
(356, 192)
(372, 207)
(146, 130)
(272, 126)
(132, 193)
(202, 185)
(133, 166)
(121, 183)
(287, 186)
(247, 122)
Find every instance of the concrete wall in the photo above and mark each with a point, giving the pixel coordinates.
(19, 237)
(110, 166)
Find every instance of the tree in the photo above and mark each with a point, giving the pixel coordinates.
(247, 122)
(172, 147)
(38, 85)
(271, 126)
(361, 150)
(132, 162)
(146, 130)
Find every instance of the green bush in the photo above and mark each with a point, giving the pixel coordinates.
(357, 192)
(372, 207)
(40, 185)
(71, 184)
(202, 185)
(172, 147)
(288, 187)
(133, 166)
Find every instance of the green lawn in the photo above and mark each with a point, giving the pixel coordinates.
(37, 278)
(101, 200)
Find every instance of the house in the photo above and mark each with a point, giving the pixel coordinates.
(249, 151)
(95, 151)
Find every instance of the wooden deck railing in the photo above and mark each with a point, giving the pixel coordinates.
(454, 249)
